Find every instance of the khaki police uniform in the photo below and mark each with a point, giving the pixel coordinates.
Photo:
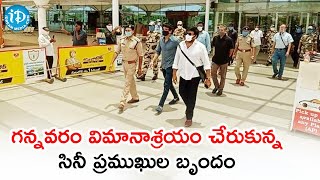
(243, 56)
(131, 49)
(151, 44)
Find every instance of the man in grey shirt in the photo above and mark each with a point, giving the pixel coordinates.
(79, 36)
(167, 46)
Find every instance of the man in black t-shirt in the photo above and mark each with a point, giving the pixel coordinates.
(223, 51)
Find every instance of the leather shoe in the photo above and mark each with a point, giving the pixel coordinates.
(133, 101)
(174, 101)
(214, 90)
(280, 78)
(241, 83)
(238, 81)
(155, 77)
(219, 92)
(188, 123)
(274, 75)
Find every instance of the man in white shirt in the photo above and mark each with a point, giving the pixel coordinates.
(189, 76)
(257, 35)
(281, 49)
(45, 41)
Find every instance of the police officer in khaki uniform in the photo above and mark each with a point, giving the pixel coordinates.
(131, 48)
(151, 44)
(244, 52)
(308, 42)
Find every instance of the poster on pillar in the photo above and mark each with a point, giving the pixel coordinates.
(85, 60)
(34, 65)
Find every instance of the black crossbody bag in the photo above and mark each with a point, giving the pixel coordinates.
(286, 46)
(200, 69)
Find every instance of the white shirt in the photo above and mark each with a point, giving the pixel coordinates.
(286, 37)
(197, 53)
(257, 35)
(44, 42)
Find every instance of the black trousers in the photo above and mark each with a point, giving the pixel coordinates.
(49, 66)
(188, 90)
(295, 57)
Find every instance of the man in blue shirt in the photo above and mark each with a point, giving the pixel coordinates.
(204, 37)
(167, 47)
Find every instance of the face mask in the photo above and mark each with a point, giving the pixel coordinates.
(256, 29)
(165, 33)
(179, 27)
(189, 38)
(299, 30)
(151, 28)
(46, 33)
(109, 28)
(272, 29)
(200, 28)
(245, 33)
(128, 34)
(309, 31)
(230, 28)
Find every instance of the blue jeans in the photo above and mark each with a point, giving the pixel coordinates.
(279, 54)
(167, 74)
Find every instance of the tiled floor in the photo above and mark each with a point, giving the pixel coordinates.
(91, 102)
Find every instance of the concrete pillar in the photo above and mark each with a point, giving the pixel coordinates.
(216, 21)
(222, 17)
(115, 13)
(207, 16)
(308, 20)
(276, 23)
(239, 22)
(42, 6)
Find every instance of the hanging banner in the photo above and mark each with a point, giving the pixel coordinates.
(306, 112)
(34, 65)
(11, 68)
(85, 60)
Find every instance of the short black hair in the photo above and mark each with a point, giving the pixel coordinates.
(194, 30)
(200, 23)
(79, 23)
(130, 26)
(167, 25)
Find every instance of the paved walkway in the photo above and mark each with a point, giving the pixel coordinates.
(91, 102)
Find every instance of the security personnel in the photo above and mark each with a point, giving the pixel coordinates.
(269, 37)
(296, 40)
(308, 42)
(131, 48)
(180, 32)
(244, 52)
(151, 44)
